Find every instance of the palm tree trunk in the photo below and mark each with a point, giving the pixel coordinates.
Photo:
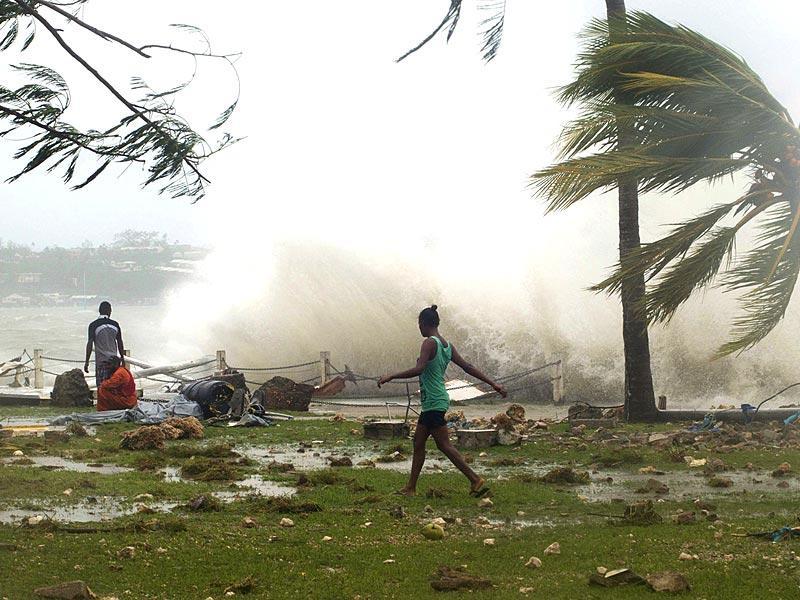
(640, 403)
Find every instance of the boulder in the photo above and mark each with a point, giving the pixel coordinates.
(71, 389)
(280, 393)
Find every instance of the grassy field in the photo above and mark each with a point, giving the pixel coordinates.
(353, 538)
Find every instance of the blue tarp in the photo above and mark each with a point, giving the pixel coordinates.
(144, 413)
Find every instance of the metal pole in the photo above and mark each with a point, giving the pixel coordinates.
(38, 373)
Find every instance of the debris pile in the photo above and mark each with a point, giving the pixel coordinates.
(641, 513)
(71, 389)
(565, 475)
(152, 437)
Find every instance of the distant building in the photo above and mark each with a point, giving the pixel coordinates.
(28, 278)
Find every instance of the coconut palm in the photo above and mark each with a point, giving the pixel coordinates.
(639, 395)
(694, 112)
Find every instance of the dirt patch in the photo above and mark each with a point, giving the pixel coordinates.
(201, 468)
(150, 437)
(448, 579)
(565, 475)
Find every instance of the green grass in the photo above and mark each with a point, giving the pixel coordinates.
(211, 551)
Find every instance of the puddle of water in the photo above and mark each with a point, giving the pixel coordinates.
(57, 462)
(249, 486)
(105, 508)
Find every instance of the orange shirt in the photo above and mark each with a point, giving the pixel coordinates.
(117, 392)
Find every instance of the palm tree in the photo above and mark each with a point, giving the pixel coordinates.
(695, 112)
(639, 394)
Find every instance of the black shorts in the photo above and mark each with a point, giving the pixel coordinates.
(432, 419)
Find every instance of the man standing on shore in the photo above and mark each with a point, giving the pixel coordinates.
(105, 335)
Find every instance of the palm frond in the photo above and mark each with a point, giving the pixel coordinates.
(451, 18)
(492, 28)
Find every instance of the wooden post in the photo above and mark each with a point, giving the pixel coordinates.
(222, 363)
(558, 383)
(38, 374)
(324, 366)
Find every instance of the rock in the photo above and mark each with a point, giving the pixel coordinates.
(685, 556)
(668, 581)
(34, 520)
(71, 389)
(433, 531)
(502, 422)
(508, 438)
(127, 552)
(654, 438)
(485, 503)
(782, 470)
(554, 548)
(248, 523)
(389, 561)
(533, 563)
(341, 461)
(685, 517)
(326, 538)
(525, 590)
(694, 463)
(650, 470)
(71, 590)
(18, 453)
(439, 521)
(286, 522)
(615, 578)
(448, 579)
(488, 542)
(280, 393)
(655, 486)
(601, 570)
(149, 437)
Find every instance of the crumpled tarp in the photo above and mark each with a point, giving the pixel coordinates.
(144, 413)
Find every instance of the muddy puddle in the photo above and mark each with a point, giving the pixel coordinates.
(249, 486)
(57, 463)
(98, 509)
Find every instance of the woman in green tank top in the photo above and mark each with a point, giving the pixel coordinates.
(435, 355)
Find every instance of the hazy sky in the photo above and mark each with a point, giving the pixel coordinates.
(341, 141)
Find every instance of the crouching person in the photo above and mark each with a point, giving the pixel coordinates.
(118, 392)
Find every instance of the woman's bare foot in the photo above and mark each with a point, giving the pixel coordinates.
(406, 492)
(478, 488)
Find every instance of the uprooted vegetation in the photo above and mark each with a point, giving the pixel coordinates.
(202, 468)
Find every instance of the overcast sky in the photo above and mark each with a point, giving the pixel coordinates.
(341, 140)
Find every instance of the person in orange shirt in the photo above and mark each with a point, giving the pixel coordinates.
(118, 391)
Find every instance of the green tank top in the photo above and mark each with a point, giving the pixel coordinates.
(431, 380)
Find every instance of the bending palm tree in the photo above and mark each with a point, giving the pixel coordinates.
(693, 112)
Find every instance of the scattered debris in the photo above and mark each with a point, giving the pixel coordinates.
(71, 590)
(668, 581)
(694, 463)
(128, 552)
(533, 563)
(655, 486)
(248, 523)
(488, 542)
(565, 475)
(516, 412)
(687, 556)
(245, 586)
(616, 578)
(783, 470)
(554, 548)
(201, 468)
(642, 513)
(433, 531)
(280, 393)
(720, 482)
(685, 517)
(149, 437)
(190, 428)
(447, 579)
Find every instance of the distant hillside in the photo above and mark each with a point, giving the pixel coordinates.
(138, 267)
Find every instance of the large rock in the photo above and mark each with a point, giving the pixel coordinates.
(280, 393)
(70, 389)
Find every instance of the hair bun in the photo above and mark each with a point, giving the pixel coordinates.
(434, 307)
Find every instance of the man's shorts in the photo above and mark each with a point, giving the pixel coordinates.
(432, 419)
(103, 371)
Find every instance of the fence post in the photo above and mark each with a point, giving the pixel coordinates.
(324, 366)
(222, 363)
(558, 383)
(38, 374)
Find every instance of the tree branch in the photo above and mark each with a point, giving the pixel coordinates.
(99, 32)
(54, 32)
(190, 52)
